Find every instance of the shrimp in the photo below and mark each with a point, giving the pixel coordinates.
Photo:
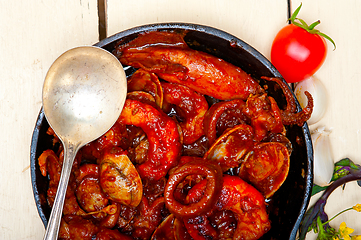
(167, 55)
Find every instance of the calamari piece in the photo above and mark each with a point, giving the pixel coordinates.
(168, 56)
(190, 106)
(267, 167)
(290, 115)
(223, 115)
(162, 133)
(200, 228)
(148, 82)
(213, 175)
(264, 114)
(230, 149)
(119, 178)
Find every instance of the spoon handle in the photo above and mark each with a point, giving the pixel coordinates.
(53, 225)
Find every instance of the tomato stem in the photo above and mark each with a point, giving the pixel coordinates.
(295, 13)
(313, 25)
(311, 29)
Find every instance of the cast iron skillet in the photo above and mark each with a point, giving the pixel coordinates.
(287, 207)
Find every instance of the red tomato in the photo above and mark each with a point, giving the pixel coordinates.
(297, 54)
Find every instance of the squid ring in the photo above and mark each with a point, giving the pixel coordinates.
(213, 174)
(214, 113)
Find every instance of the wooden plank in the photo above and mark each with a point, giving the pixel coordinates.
(102, 14)
(341, 21)
(34, 34)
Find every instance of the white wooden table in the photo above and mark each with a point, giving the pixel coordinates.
(34, 33)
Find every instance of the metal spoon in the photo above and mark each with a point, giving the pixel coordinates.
(83, 95)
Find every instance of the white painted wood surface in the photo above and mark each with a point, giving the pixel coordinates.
(340, 74)
(34, 33)
(248, 20)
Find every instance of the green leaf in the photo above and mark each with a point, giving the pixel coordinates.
(343, 162)
(304, 24)
(328, 38)
(311, 29)
(313, 25)
(298, 24)
(327, 234)
(339, 172)
(354, 166)
(316, 189)
(295, 13)
(347, 162)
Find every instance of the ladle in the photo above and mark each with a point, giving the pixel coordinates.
(83, 95)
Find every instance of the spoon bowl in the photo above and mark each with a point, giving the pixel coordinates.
(83, 95)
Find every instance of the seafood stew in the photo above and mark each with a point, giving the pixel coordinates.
(282, 209)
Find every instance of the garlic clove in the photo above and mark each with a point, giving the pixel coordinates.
(318, 91)
(323, 163)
